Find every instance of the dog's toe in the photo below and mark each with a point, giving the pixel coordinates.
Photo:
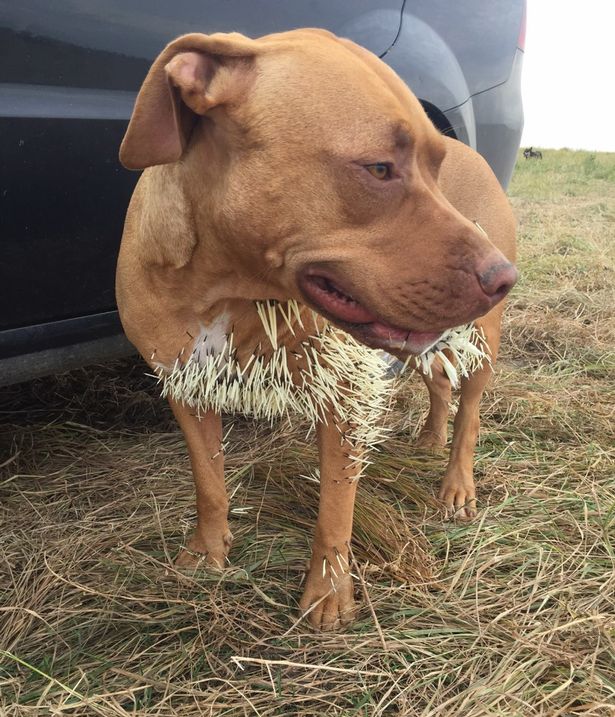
(200, 552)
(330, 621)
(336, 613)
(430, 442)
(329, 605)
(459, 498)
(466, 512)
(189, 560)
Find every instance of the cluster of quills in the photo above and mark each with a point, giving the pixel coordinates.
(327, 377)
(467, 347)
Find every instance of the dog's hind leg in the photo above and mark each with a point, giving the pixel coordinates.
(211, 540)
(433, 435)
(328, 594)
(457, 489)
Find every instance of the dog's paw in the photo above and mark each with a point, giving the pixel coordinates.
(205, 551)
(328, 598)
(459, 497)
(430, 441)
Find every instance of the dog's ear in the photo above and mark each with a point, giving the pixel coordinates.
(190, 76)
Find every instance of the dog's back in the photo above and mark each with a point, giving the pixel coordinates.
(470, 185)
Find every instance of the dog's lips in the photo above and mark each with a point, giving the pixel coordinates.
(335, 304)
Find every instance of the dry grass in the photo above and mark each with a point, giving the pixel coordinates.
(510, 615)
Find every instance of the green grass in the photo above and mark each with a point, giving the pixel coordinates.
(512, 614)
(566, 173)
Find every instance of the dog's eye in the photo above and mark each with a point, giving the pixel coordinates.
(380, 170)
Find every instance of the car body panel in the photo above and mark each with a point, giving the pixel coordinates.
(501, 122)
(69, 228)
(482, 36)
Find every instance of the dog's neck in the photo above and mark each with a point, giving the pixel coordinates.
(243, 324)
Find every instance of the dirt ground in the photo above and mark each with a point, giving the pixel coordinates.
(512, 614)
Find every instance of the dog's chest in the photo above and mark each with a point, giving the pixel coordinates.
(283, 368)
(212, 339)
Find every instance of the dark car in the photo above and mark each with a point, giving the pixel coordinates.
(70, 71)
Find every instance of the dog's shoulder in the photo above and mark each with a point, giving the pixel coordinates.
(159, 223)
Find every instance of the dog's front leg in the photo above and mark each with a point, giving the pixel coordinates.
(433, 435)
(328, 594)
(457, 489)
(211, 540)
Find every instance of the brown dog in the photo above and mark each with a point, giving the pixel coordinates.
(299, 167)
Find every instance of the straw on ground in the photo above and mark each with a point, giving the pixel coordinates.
(510, 615)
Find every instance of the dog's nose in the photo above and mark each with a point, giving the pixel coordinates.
(496, 276)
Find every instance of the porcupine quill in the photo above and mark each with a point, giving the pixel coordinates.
(340, 377)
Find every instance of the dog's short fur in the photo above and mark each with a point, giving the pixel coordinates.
(299, 166)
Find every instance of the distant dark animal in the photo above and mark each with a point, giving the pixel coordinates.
(531, 152)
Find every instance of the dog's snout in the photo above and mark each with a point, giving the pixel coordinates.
(496, 277)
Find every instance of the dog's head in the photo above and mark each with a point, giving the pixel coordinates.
(314, 166)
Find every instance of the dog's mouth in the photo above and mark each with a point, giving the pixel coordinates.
(330, 300)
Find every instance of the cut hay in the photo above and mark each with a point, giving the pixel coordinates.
(512, 614)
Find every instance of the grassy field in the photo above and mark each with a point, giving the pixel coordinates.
(512, 614)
